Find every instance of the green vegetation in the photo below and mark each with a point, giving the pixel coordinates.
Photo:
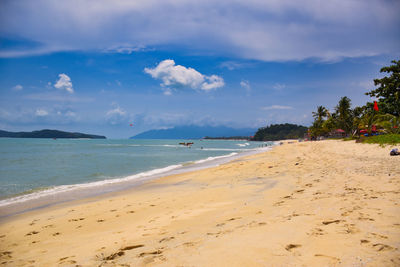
(388, 92)
(276, 132)
(386, 139)
(228, 138)
(381, 117)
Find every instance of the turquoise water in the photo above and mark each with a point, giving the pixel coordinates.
(38, 165)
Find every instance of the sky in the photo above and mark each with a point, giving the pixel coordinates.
(99, 66)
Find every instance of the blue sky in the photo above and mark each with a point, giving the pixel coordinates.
(98, 66)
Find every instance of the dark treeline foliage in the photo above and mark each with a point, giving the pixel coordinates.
(279, 132)
(228, 138)
(49, 134)
(388, 92)
(384, 116)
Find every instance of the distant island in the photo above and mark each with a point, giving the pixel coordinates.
(49, 134)
(194, 132)
(276, 132)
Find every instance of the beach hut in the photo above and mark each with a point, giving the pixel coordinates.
(338, 133)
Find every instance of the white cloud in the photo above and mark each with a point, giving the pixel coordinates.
(256, 29)
(70, 114)
(18, 87)
(41, 112)
(116, 115)
(64, 83)
(167, 91)
(176, 76)
(246, 85)
(124, 49)
(279, 107)
(116, 111)
(279, 86)
(231, 65)
(54, 96)
(212, 82)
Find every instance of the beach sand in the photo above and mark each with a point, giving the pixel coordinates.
(326, 203)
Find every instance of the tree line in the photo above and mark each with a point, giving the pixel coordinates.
(380, 115)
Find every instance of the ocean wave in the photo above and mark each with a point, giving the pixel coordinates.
(224, 149)
(135, 145)
(36, 194)
(214, 158)
(243, 145)
(65, 188)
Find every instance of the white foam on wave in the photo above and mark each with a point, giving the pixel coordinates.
(214, 158)
(136, 177)
(243, 145)
(136, 145)
(65, 188)
(223, 149)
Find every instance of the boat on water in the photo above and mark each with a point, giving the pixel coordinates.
(187, 144)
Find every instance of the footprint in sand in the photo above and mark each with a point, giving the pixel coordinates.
(6, 254)
(117, 254)
(332, 221)
(101, 220)
(290, 247)
(279, 203)
(156, 252)
(382, 247)
(326, 256)
(235, 218)
(317, 232)
(32, 233)
(75, 220)
(166, 239)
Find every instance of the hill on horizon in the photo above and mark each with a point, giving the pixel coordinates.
(46, 133)
(194, 132)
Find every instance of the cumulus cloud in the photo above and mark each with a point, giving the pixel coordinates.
(41, 112)
(255, 29)
(176, 76)
(116, 115)
(279, 107)
(64, 83)
(18, 87)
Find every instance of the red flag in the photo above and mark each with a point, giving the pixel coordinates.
(376, 106)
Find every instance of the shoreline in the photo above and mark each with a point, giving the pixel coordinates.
(66, 193)
(325, 203)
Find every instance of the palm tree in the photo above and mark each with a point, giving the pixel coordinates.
(390, 123)
(344, 114)
(321, 113)
(369, 119)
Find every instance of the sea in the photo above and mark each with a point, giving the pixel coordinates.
(36, 173)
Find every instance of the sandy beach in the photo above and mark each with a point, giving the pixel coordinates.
(326, 203)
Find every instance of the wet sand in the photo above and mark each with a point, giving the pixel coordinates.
(327, 203)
